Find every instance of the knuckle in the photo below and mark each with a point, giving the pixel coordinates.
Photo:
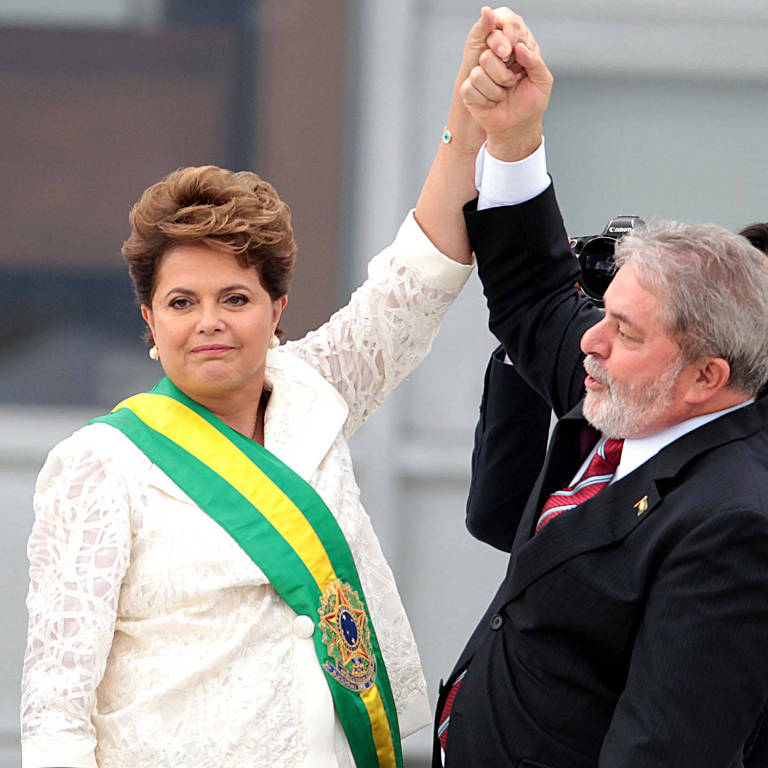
(495, 37)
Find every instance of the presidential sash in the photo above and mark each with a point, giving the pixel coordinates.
(284, 526)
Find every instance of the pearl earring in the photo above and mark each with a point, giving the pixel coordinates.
(274, 342)
(153, 353)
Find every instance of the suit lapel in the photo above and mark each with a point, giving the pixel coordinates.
(604, 519)
(616, 511)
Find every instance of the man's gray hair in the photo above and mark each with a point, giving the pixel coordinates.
(714, 287)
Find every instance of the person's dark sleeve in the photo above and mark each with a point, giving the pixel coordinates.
(696, 683)
(529, 278)
(510, 444)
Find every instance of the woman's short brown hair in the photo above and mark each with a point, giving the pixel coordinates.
(237, 213)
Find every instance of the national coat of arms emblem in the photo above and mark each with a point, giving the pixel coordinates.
(347, 637)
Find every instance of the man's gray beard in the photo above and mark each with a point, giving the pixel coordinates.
(624, 411)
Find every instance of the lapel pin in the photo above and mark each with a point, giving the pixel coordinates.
(641, 506)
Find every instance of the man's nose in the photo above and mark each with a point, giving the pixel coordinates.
(594, 341)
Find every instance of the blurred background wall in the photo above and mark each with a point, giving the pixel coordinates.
(659, 109)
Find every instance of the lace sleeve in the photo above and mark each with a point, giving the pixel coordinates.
(369, 346)
(78, 554)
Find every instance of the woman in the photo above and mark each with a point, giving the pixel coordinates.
(155, 592)
(130, 576)
(206, 588)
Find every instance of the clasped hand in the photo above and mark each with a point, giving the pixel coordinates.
(508, 85)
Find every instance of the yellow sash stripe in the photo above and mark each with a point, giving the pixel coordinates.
(199, 438)
(382, 736)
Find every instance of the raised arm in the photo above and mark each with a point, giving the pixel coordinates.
(451, 179)
(367, 347)
(512, 430)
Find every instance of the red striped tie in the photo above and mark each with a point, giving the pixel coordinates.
(445, 715)
(599, 473)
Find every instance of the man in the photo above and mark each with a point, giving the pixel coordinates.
(511, 440)
(629, 629)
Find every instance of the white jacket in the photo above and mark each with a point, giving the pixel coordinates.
(153, 639)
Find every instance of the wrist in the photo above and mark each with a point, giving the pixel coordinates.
(465, 135)
(514, 145)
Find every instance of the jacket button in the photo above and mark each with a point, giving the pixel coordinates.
(303, 626)
(497, 621)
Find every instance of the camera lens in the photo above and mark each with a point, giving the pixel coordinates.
(597, 266)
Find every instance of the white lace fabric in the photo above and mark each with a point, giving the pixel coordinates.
(153, 639)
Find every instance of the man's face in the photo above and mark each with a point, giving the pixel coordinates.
(635, 381)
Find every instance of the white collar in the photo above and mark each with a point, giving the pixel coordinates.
(304, 415)
(638, 450)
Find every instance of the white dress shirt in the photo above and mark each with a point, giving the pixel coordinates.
(638, 450)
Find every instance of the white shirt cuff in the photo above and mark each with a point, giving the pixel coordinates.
(501, 183)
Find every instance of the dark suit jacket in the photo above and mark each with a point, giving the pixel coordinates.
(631, 632)
(510, 443)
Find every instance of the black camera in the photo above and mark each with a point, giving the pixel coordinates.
(595, 255)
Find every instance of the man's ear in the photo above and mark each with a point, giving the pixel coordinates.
(710, 376)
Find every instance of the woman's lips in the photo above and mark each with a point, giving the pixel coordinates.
(211, 349)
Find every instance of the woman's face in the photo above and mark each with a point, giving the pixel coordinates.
(212, 321)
